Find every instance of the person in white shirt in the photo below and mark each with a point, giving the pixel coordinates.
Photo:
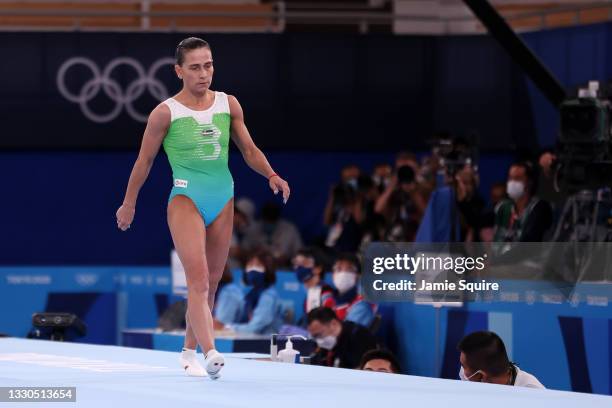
(484, 359)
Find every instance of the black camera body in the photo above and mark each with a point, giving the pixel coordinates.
(585, 143)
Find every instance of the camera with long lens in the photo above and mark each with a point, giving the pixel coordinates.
(585, 143)
(455, 154)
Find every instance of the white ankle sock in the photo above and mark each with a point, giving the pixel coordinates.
(189, 362)
(214, 362)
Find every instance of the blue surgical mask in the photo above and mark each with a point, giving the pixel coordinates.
(255, 278)
(303, 273)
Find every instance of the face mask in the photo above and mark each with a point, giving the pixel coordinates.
(303, 273)
(462, 376)
(515, 189)
(344, 280)
(327, 342)
(255, 277)
(352, 182)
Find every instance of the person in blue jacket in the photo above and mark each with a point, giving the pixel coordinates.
(263, 309)
(229, 305)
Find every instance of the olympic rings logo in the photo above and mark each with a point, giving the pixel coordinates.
(145, 81)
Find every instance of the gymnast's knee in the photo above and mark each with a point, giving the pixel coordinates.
(199, 288)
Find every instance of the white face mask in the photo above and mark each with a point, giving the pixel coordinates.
(344, 280)
(327, 342)
(515, 189)
(256, 268)
(462, 376)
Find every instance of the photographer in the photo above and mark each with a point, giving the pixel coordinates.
(381, 176)
(348, 180)
(402, 205)
(470, 204)
(343, 212)
(546, 183)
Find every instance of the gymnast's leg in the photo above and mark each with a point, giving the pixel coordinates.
(189, 236)
(218, 237)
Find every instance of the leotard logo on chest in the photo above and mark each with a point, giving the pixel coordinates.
(211, 134)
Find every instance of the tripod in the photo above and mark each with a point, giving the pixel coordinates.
(586, 223)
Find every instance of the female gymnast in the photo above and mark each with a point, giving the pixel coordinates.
(194, 127)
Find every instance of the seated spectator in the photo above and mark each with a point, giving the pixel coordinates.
(380, 360)
(350, 305)
(340, 344)
(309, 270)
(484, 359)
(263, 311)
(524, 217)
(273, 234)
(229, 305)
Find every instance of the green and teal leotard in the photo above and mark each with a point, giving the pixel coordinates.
(197, 145)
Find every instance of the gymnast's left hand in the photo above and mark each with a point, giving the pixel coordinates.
(125, 216)
(278, 184)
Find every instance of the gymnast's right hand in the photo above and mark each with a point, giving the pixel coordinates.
(125, 216)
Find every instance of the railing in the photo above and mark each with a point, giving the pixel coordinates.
(562, 16)
(268, 17)
(141, 16)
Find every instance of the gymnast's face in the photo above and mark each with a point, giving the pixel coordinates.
(197, 70)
